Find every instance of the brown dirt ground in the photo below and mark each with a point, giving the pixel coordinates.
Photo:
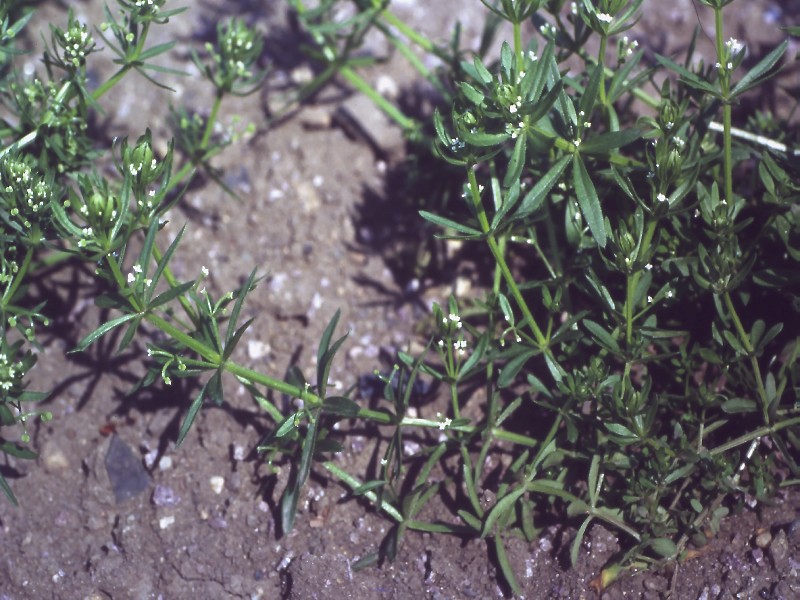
(307, 186)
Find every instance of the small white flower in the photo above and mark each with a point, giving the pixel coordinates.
(137, 268)
(131, 278)
(661, 198)
(532, 55)
(445, 424)
(649, 299)
(604, 17)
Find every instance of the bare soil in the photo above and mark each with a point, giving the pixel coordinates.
(321, 216)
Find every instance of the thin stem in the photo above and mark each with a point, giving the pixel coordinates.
(601, 59)
(501, 261)
(518, 44)
(745, 339)
(382, 103)
(212, 120)
(724, 84)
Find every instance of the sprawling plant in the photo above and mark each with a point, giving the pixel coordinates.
(634, 359)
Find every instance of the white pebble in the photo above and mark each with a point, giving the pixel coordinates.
(217, 483)
(166, 522)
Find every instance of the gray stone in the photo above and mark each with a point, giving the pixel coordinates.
(125, 471)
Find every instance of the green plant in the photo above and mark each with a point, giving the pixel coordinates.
(54, 206)
(638, 300)
(627, 351)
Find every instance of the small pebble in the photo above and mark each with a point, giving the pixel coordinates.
(165, 496)
(217, 484)
(53, 458)
(166, 522)
(779, 552)
(165, 464)
(150, 458)
(758, 556)
(257, 349)
(238, 452)
(763, 539)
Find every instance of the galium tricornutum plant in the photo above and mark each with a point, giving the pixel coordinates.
(628, 357)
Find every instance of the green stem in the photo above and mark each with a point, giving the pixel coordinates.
(749, 437)
(501, 261)
(724, 84)
(631, 281)
(601, 59)
(212, 120)
(382, 103)
(311, 399)
(414, 36)
(518, 44)
(745, 339)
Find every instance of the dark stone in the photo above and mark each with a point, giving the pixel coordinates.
(125, 471)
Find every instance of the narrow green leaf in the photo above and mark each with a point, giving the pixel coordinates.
(505, 566)
(323, 368)
(664, 547)
(439, 128)
(483, 73)
(231, 344)
(505, 307)
(739, 405)
(602, 337)
(600, 144)
(156, 50)
(162, 264)
(516, 163)
(471, 520)
(620, 430)
(590, 93)
(538, 110)
(576, 543)
(505, 59)
(170, 294)
(513, 367)
(127, 338)
(340, 405)
(687, 76)
(594, 475)
(7, 491)
(443, 222)
(18, 451)
(588, 200)
(505, 504)
(325, 340)
(237, 307)
(534, 198)
(369, 486)
(186, 425)
(761, 71)
(481, 139)
(102, 330)
(471, 94)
